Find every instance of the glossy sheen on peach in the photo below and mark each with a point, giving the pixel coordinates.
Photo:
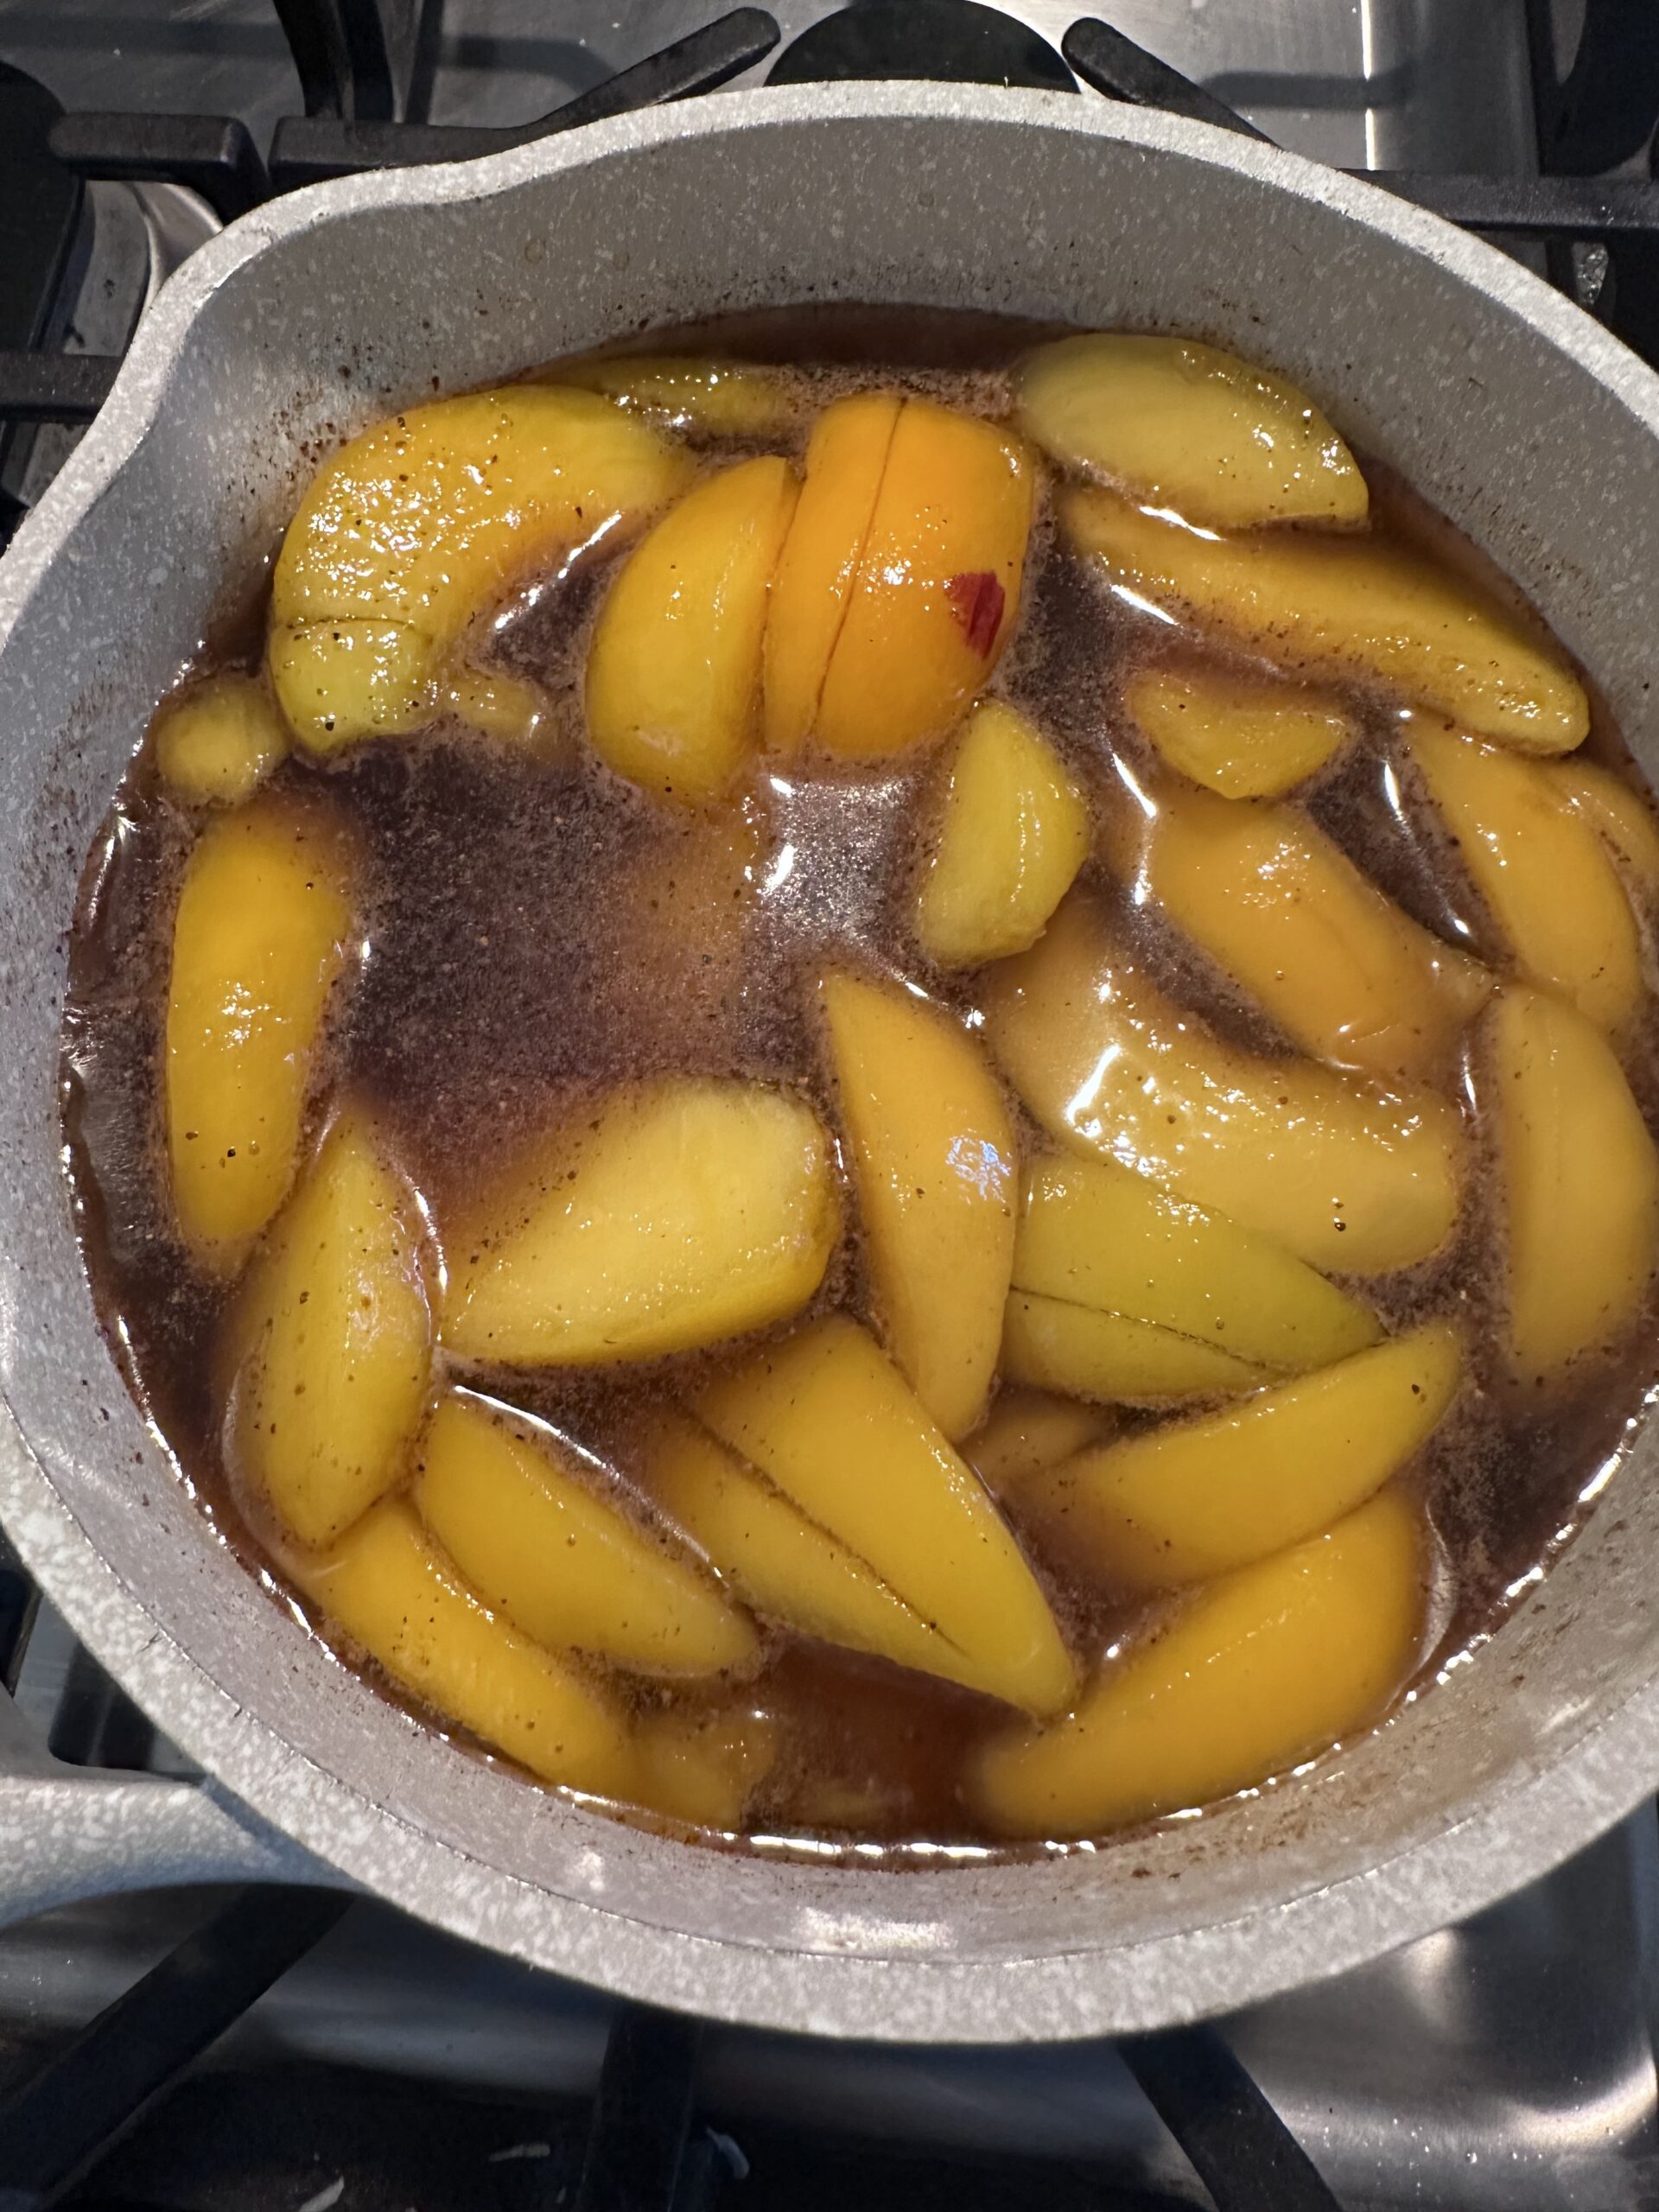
(418, 525)
(1184, 425)
(328, 1347)
(259, 937)
(1343, 604)
(1025, 1431)
(1094, 1233)
(1348, 1176)
(1014, 830)
(547, 1541)
(1580, 1182)
(831, 1423)
(938, 587)
(673, 683)
(789, 1566)
(1240, 736)
(1250, 1676)
(934, 1159)
(1541, 864)
(818, 570)
(1278, 905)
(393, 1593)
(1197, 1498)
(682, 1210)
(1050, 1343)
(217, 743)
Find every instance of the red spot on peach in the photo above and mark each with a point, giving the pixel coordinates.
(977, 600)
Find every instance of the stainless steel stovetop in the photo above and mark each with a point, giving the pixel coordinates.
(1507, 2064)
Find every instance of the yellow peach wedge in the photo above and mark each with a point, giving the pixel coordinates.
(1541, 868)
(1051, 1344)
(1183, 425)
(1349, 1177)
(673, 684)
(934, 1163)
(937, 588)
(784, 1564)
(678, 1212)
(1356, 605)
(709, 398)
(1580, 1185)
(1344, 971)
(846, 461)
(702, 1767)
(328, 1346)
(1027, 1430)
(217, 743)
(830, 1422)
(259, 937)
(504, 706)
(1097, 1235)
(1249, 1677)
(1621, 816)
(1197, 1498)
(391, 1591)
(535, 1534)
(415, 528)
(1241, 735)
(1014, 832)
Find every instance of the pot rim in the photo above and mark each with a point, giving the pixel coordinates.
(1559, 1803)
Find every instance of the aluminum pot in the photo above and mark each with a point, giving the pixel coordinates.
(1515, 414)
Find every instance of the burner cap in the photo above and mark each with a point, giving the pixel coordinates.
(948, 41)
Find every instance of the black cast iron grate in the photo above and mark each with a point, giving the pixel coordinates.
(120, 2096)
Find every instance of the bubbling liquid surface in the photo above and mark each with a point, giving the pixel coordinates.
(538, 931)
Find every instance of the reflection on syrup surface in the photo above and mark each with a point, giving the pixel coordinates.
(532, 932)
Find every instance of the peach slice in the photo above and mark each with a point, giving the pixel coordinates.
(831, 1423)
(1350, 1177)
(328, 1346)
(1027, 1430)
(1240, 736)
(415, 527)
(1342, 969)
(846, 460)
(1185, 426)
(673, 681)
(504, 706)
(787, 1566)
(1580, 1182)
(1013, 833)
(217, 743)
(1250, 1676)
(679, 1212)
(938, 587)
(1621, 816)
(934, 1162)
(702, 1767)
(258, 939)
(1197, 1498)
(393, 1593)
(1541, 868)
(1097, 1235)
(537, 1539)
(1054, 1344)
(708, 397)
(1342, 604)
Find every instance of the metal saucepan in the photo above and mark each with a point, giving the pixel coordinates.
(1517, 416)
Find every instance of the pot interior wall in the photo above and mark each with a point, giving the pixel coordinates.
(259, 357)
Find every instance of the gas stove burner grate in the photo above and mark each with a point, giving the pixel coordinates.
(1601, 234)
(948, 41)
